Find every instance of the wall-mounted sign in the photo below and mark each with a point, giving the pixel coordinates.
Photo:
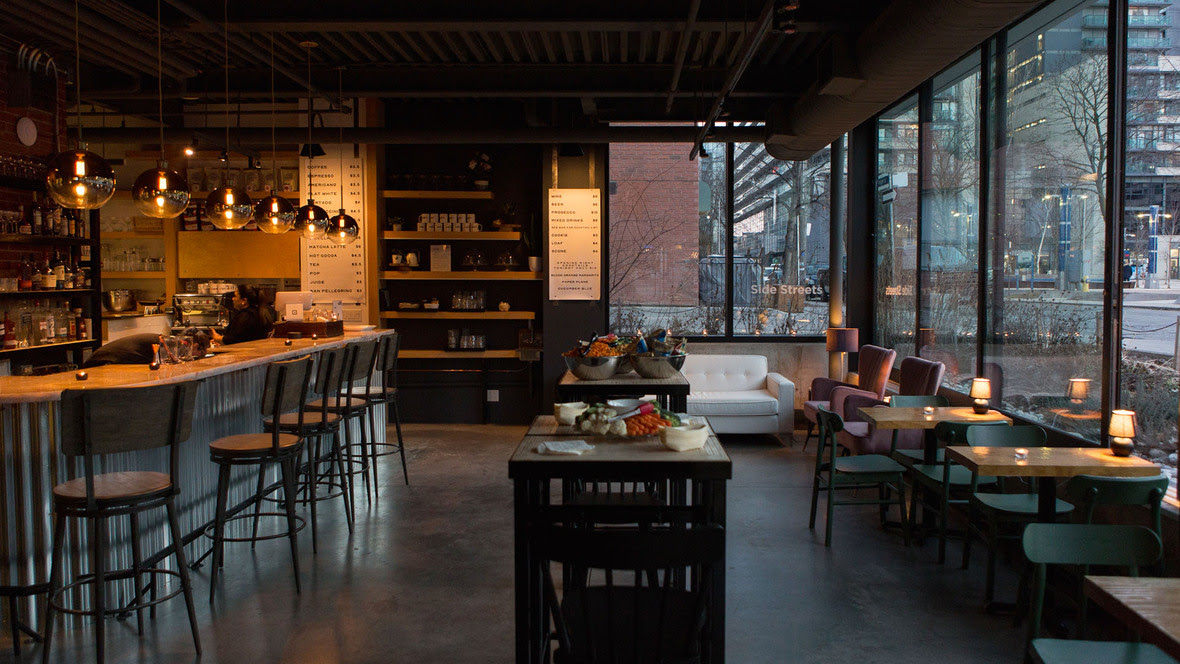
(575, 244)
(331, 272)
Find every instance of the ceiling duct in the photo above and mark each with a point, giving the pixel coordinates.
(908, 43)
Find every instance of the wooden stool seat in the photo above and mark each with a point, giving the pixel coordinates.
(338, 404)
(110, 487)
(373, 393)
(310, 420)
(252, 443)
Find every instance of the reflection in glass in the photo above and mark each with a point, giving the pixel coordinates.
(897, 224)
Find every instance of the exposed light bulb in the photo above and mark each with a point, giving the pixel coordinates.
(80, 189)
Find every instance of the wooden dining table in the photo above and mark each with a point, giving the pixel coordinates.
(1149, 606)
(890, 418)
(672, 392)
(1048, 464)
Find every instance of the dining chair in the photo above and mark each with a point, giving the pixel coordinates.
(1130, 547)
(97, 423)
(386, 393)
(874, 364)
(1001, 511)
(625, 597)
(358, 454)
(918, 380)
(837, 473)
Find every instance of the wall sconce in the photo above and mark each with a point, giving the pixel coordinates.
(1122, 430)
(981, 391)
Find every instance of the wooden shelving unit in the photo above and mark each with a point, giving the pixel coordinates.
(457, 354)
(461, 315)
(47, 293)
(442, 194)
(64, 345)
(462, 276)
(133, 235)
(44, 239)
(158, 274)
(429, 235)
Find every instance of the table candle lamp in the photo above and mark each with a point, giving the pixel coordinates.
(842, 340)
(1078, 391)
(1122, 430)
(981, 391)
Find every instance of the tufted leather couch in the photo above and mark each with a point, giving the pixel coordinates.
(739, 394)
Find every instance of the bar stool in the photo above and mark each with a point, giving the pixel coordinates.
(386, 393)
(320, 423)
(358, 367)
(285, 391)
(98, 422)
(15, 624)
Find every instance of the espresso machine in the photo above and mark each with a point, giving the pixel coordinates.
(197, 310)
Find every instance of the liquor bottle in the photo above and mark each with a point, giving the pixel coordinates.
(63, 318)
(26, 225)
(9, 332)
(39, 328)
(63, 226)
(25, 282)
(79, 324)
(24, 325)
(71, 224)
(38, 220)
(38, 278)
(59, 272)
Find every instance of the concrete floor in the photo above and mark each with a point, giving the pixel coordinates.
(427, 577)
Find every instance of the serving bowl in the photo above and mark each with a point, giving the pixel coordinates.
(118, 300)
(658, 366)
(593, 368)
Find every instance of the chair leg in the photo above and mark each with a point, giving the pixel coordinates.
(371, 448)
(12, 623)
(287, 467)
(814, 499)
(347, 454)
(883, 507)
(258, 503)
(401, 446)
(219, 527)
(312, 484)
(831, 506)
(810, 428)
(186, 584)
(98, 593)
(59, 537)
(905, 521)
(345, 482)
(915, 527)
(943, 508)
(368, 453)
(967, 535)
(137, 571)
(992, 543)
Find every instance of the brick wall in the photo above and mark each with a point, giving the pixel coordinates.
(654, 224)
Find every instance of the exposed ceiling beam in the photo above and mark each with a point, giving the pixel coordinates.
(508, 25)
(682, 52)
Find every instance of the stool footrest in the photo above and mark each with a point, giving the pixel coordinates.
(210, 529)
(115, 575)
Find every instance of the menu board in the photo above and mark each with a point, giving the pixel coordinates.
(575, 244)
(329, 271)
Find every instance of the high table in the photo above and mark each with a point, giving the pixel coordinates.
(672, 392)
(695, 482)
(890, 418)
(1047, 464)
(1149, 606)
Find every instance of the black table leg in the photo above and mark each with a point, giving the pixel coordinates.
(1046, 499)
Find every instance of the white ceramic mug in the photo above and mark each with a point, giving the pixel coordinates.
(412, 258)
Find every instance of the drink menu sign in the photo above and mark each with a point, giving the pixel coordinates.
(329, 271)
(575, 244)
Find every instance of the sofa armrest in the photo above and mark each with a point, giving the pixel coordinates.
(783, 389)
(847, 402)
(821, 388)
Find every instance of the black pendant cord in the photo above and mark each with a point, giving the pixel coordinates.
(274, 163)
(225, 27)
(78, 77)
(340, 147)
(310, 119)
(160, 73)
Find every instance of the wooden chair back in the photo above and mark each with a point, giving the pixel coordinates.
(285, 391)
(330, 367)
(630, 594)
(387, 363)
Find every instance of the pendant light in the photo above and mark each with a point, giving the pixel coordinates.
(79, 179)
(311, 220)
(342, 229)
(228, 207)
(274, 214)
(160, 192)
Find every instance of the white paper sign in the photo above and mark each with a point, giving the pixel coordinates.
(575, 244)
(331, 272)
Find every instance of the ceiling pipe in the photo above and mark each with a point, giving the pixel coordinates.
(682, 53)
(260, 136)
(753, 41)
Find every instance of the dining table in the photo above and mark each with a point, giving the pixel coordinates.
(672, 392)
(1148, 606)
(1047, 465)
(897, 418)
(549, 486)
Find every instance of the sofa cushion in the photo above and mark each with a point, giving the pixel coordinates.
(725, 372)
(732, 402)
(810, 408)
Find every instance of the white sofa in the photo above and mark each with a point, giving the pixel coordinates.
(739, 394)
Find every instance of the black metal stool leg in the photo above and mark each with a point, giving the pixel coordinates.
(59, 536)
(98, 591)
(137, 571)
(312, 484)
(258, 503)
(368, 447)
(397, 424)
(287, 466)
(219, 527)
(186, 583)
(346, 482)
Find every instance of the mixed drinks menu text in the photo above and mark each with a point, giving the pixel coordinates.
(575, 244)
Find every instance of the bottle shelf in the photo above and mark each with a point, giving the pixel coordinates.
(142, 274)
(44, 293)
(457, 354)
(462, 276)
(132, 235)
(44, 239)
(17, 182)
(461, 315)
(431, 235)
(63, 344)
(452, 195)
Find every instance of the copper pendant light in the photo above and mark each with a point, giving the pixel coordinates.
(274, 214)
(311, 220)
(160, 192)
(228, 207)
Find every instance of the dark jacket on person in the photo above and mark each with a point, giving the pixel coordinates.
(246, 325)
(131, 349)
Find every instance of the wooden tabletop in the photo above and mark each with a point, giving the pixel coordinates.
(634, 457)
(1051, 462)
(1149, 606)
(888, 417)
(629, 379)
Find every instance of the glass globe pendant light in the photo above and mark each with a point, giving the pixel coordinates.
(274, 215)
(343, 229)
(228, 207)
(80, 180)
(311, 220)
(159, 192)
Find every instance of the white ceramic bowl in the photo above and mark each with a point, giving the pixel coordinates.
(567, 412)
(623, 405)
(686, 437)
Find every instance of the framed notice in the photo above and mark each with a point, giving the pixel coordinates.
(331, 272)
(575, 244)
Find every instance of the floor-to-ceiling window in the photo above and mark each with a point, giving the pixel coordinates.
(897, 226)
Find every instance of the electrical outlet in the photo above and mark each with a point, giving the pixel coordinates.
(493, 396)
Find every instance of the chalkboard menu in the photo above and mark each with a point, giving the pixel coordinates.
(575, 244)
(329, 271)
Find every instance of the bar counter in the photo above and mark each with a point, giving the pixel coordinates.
(228, 402)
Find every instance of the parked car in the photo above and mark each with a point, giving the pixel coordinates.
(817, 282)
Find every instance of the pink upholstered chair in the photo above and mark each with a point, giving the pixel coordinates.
(917, 377)
(875, 365)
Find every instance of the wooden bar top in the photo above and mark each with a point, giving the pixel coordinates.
(888, 417)
(1149, 606)
(1050, 462)
(234, 357)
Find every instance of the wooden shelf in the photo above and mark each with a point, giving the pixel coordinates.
(143, 274)
(462, 276)
(462, 315)
(43, 293)
(255, 196)
(431, 235)
(132, 235)
(457, 355)
(453, 195)
(17, 182)
(44, 239)
(65, 344)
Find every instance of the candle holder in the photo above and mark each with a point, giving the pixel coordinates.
(81, 375)
(1021, 453)
(928, 410)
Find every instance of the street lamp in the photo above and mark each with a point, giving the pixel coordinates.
(1153, 216)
